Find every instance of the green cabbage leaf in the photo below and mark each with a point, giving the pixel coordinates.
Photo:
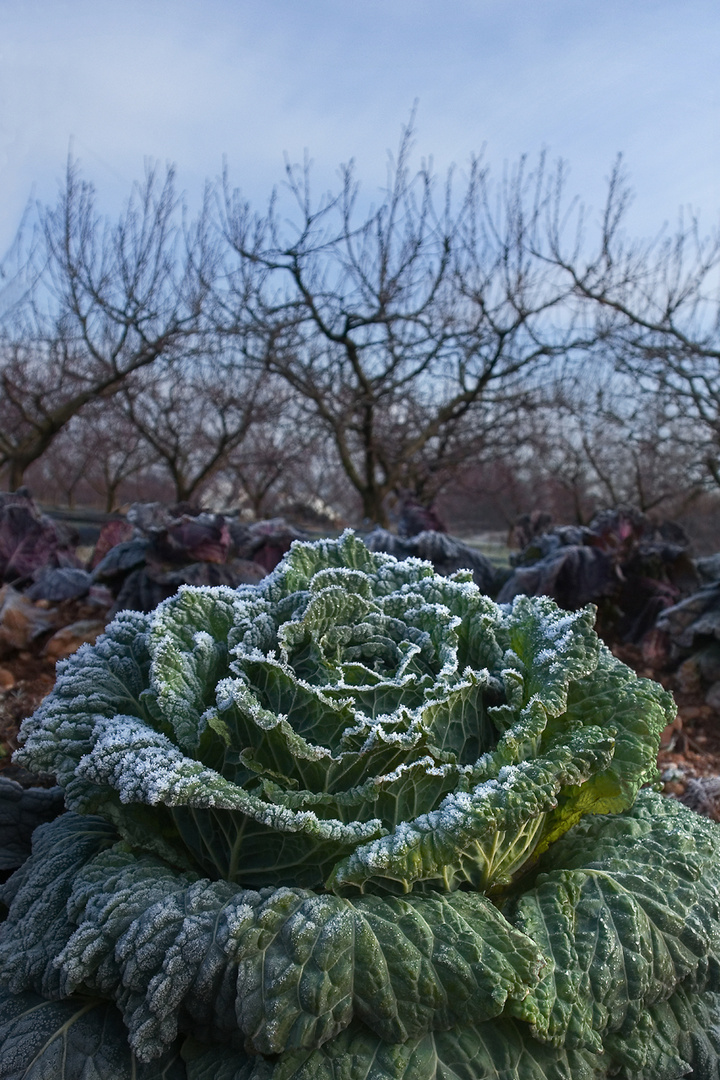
(73, 1039)
(358, 823)
(580, 956)
(271, 970)
(352, 723)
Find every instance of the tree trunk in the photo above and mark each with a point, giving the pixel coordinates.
(110, 496)
(16, 472)
(373, 501)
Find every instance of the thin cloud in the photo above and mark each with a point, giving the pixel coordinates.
(187, 83)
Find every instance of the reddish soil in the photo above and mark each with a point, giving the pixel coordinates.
(690, 747)
(32, 679)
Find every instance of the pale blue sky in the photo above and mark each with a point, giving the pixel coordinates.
(123, 80)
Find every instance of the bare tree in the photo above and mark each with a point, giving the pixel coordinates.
(101, 302)
(271, 459)
(593, 438)
(60, 478)
(288, 464)
(656, 310)
(196, 410)
(337, 348)
(118, 454)
(96, 458)
(402, 327)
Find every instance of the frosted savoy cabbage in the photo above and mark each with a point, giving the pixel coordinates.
(358, 823)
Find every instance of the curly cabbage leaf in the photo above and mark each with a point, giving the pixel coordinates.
(273, 970)
(38, 925)
(359, 822)
(21, 811)
(352, 722)
(634, 913)
(75, 1039)
(581, 956)
(680, 1038)
(674, 1038)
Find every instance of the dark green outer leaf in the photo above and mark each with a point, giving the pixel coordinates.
(204, 1062)
(497, 1050)
(657, 1043)
(37, 926)
(671, 1039)
(675, 1039)
(431, 962)
(636, 916)
(290, 969)
(75, 1039)
(21, 811)
(500, 1050)
(278, 969)
(284, 968)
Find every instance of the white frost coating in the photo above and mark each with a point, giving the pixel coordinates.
(203, 640)
(143, 766)
(560, 629)
(377, 728)
(408, 766)
(450, 817)
(237, 918)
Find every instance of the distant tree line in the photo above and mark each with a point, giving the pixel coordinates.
(471, 341)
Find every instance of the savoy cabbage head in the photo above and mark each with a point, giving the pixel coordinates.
(360, 821)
